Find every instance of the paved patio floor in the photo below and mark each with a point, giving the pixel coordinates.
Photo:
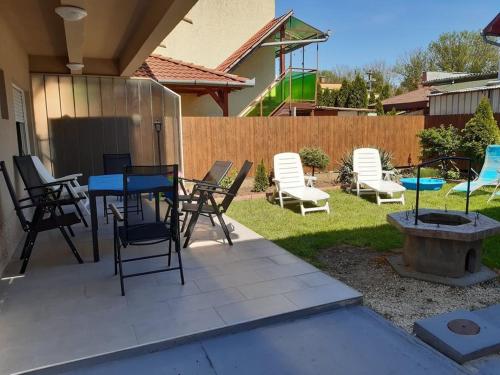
(348, 341)
(62, 311)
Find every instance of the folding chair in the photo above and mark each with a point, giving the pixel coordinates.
(158, 180)
(47, 215)
(115, 164)
(206, 204)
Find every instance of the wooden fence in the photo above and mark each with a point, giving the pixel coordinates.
(457, 121)
(206, 139)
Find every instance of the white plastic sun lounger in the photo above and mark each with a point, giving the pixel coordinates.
(293, 186)
(371, 179)
(489, 175)
(76, 189)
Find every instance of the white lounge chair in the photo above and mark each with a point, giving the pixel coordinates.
(74, 186)
(293, 186)
(489, 175)
(371, 179)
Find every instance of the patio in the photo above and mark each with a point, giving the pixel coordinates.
(62, 311)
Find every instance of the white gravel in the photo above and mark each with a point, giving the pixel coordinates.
(401, 300)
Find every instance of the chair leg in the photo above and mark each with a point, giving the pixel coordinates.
(179, 258)
(169, 252)
(119, 253)
(27, 251)
(190, 227)
(25, 246)
(70, 230)
(224, 228)
(80, 214)
(115, 245)
(184, 223)
(211, 219)
(139, 202)
(167, 214)
(70, 244)
(104, 200)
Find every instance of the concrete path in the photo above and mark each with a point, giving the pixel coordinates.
(351, 341)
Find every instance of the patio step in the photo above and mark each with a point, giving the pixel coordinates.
(187, 339)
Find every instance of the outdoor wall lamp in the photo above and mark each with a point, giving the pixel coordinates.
(157, 126)
(71, 13)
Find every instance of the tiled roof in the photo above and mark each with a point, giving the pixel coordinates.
(253, 42)
(167, 70)
(416, 96)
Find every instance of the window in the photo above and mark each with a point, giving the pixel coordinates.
(21, 121)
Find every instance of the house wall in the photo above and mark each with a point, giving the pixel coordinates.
(259, 65)
(463, 103)
(218, 29)
(15, 65)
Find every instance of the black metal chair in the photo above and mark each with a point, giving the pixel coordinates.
(31, 178)
(214, 176)
(115, 164)
(158, 180)
(206, 204)
(48, 214)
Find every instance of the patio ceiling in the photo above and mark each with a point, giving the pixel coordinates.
(113, 39)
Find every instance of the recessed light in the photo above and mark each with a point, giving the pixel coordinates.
(75, 66)
(71, 13)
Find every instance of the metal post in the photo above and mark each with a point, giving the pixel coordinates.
(418, 195)
(468, 188)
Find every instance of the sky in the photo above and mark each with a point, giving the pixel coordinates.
(365, 31)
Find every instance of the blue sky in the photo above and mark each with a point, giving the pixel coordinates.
(365, 31)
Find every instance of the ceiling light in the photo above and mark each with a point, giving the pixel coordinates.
(75, 66)
(71, 13)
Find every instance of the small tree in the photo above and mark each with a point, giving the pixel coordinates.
(343, 94)
(261, 180)
(379, 107)
(314, 157)
(438, 142)
(479, 132)
(358, 97)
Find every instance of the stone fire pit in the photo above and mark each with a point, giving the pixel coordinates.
(444, 247)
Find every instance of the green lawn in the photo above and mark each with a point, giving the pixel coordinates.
(354, 221)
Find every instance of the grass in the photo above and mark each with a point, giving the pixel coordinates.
(353, 221)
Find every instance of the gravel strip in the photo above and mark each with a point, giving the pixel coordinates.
(401, 300)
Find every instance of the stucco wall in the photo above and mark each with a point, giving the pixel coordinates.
(14, 63)
(218, 29)
(259, 65)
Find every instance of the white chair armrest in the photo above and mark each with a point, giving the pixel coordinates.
(309, 180)
(69, 177)
(387, 174)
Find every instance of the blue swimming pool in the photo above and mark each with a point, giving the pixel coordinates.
(425, 183)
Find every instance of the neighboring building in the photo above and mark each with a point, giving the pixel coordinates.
(412, 102)
(237, 41)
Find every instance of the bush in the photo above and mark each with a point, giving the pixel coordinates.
(314, 157)
(261, 180)
(228, 180)
(437, 142)
(343, 94)
(479, 132)
(379, 107)
(345, 176)
(358, 95)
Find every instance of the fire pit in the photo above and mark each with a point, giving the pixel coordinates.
(443, 246)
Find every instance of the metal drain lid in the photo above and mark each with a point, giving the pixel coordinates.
(463, 327)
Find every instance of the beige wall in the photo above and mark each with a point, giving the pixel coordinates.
(218, 29)
(15, 65)
(260, 65)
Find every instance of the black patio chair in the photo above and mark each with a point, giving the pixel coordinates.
(114, 164)
(47, 215)
(31, 178)
(206, 204)
(214, 176)
(157, 180)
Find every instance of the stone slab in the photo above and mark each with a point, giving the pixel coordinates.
(484, 274)
(461, 348)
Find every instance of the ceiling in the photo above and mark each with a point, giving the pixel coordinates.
(114, 38)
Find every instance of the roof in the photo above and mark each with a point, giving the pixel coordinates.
(254, 41)
(411, 98)
(493, 28)
(470, 89)
(468, 85)
(460, 77)
(175, 72)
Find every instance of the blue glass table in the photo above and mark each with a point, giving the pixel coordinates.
(112, 185)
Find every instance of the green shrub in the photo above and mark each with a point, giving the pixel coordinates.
(379, 107)
(228, 180)
(261, 180)
(427, 172)
(345, 176)
(439, 142)
(479, 132)
(314, 157)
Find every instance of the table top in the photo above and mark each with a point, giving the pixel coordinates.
(113, 183)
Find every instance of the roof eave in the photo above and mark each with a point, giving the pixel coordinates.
(201, 82)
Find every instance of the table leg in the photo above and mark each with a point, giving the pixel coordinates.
(157, 206)
(94, 225)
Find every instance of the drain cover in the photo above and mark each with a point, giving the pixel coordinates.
(463, 327)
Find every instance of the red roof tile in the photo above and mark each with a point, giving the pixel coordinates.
(167, 70)
(416, 96)
(253, 42)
